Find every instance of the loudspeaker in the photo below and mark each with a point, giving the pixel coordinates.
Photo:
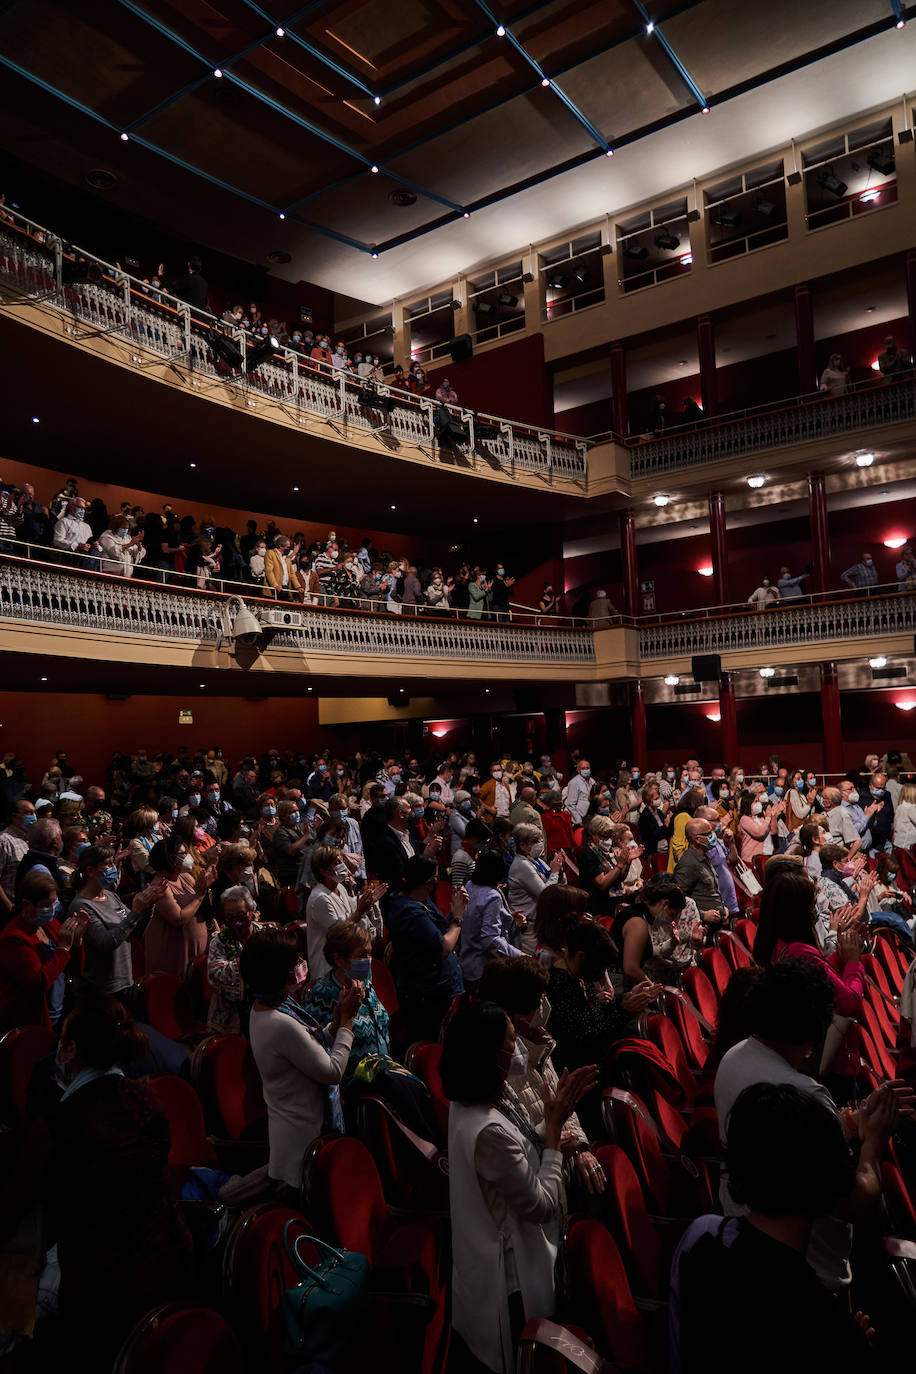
(706, 667)
(528, 701)
(402, 699)
(461, 347)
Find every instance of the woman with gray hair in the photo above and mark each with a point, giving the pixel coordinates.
(529, 875)
(601, 870)
(230, 1004)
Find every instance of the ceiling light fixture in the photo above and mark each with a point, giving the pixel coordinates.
(650, 27)
(281, 33)
(501, 31)
(897, 542)
(373, 168)
(124, 137)
(394, 507)
(466, 215)
(714, 716)
(282, 215)
(44, 679)
(756, 481)
(868, 196)
(901, 705)
(864, 460)
(217, 72)
(672, 680)
(378, 101)
(609, 152)
(900, 24)
(545, 80)
(295, 488)
(879, 662)
(705, 110)
(202, 685)
(375, 252)
(767, 672)
(35, 420)
(706, 570)
(192, 465)
(661, 499)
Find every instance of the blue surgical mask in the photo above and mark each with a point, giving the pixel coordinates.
(466, 807)
(418, 813)
(340, 772)
(877, 791)
(361, 970)
(174, 817)
(29, 820)
(777, 791)
(44, 915)
(80, 847)
(268, 810)
(604, 810)
(110, 877)
(585, 773)
(800, 785)
(213, 797)
(193, 799)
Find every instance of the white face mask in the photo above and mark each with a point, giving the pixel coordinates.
(853, 797)
(606, 846)
(341, 872)
(756, 808)
(187, 863)
(538, 1018)
(537, 849)
(518, 1065)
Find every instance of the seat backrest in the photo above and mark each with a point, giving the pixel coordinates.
(717, 969)
(256, 1273)
(636, 1237)
(898, 1200)
(344, 1176)
(200, 989)
(746, 930)
(878, 974)
(385, 990)
(702, 993)
(20, 1050)
(642, 1066)
(164, 1003)
(879, 1027)
(629, 1129)
(602, 1292)
(179, 1336)
(696, 1047)
(425, 1060)
(663, 1033)
(229, 1085)
(178, 1101)
(874, 1053)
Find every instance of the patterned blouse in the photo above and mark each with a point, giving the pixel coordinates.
(370, 1025)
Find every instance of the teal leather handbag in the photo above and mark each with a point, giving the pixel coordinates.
(324, 1312)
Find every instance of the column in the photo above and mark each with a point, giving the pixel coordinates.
(833, 724)
(620, 410)
(706, 348)
(638, 725)
(804, 339)
(911, 295)
(400, 322)
(719, 548)
(728, 710)
(820, 530)
(628, 560)
(557, 748)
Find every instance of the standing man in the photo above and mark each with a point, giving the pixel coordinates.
(499, 594)
(792, 588)
(579, 791)
(861, 575)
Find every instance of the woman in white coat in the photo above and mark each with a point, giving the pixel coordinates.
(505, 1185)
(121, 550)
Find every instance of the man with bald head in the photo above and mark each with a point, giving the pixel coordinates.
(718, 853)
(695, 875)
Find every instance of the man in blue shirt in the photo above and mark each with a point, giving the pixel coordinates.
(792, 588)
(861, 575)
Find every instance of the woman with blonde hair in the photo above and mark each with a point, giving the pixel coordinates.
(626, 797)
(143, 830)
(905, 818)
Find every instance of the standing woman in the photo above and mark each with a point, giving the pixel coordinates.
(799, 801)
(34, 953)
(601, 870)
(505, 1186)
(143, 831)
(758, 820)
(478, 597)
(529, 875)
(177, 932)
(488, 922)
(108, 967)
(689, 803)
(627, 798)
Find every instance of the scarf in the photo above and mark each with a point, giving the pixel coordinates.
(288, 1006)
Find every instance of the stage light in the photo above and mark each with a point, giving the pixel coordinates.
(661, 499)
(225, 350)
(638, 251)
(756, 481)
(582, 276)
(726, 217)
(882, 161)
(506, 298)
(832, 183)
(261, 352)
(665, 239)
(35, 420)
(558, 282)
(466, 215)
(864, 460)
(764, 207)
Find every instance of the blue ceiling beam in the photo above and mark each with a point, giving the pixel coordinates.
(653, 31)
(309, 47)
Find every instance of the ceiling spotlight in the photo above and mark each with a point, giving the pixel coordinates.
(756, 481)
(767, 672)
(282, 216)
(378, 101)
(35, 420)
(192, 465)
(609, 152)
(558, 281)
(879, 662)
(661, 499)
(900, 24)
(705, 110)
(706, 570)
(672, 680)
(582, 276)
(545, 80)
(124, 137)
(764, 207)
(665, 239)
(202, 685)
(394, 507)
(650, 27)
(501, 31)
(475, 519)
(373, 168)
(726, 217)
(261, 351)
(295, 488)
(831, 183)
(44, 679)
(466, 215)
(217, 71)
(281, 33)
(864, 460)
(897, 542)
(374, 253)
(638, 251)
(882, 161)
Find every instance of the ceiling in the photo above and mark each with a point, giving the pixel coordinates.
(464, 121)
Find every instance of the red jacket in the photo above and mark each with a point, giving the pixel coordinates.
(24, 979)
(558, 830)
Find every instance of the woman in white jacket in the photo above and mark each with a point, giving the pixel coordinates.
(905, 818)
(121, 550)
(505, 1185)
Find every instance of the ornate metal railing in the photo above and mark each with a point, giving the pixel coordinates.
(782, 627)
(820, 418)
(101, 298)
(44, 595)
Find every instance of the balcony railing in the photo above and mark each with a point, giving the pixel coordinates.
(781, 627)
(42, 594)
(105, 300)
(811, 418)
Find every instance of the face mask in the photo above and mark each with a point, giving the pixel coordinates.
(777, 791)
(723, 794)
(193, 799)
(496, 775)
(110, 877)
(585, 773)
(435, 791)
(340, 772)
(756, 808)
(670, 775)
(800, 785)
(537, 849)
(848, 870)
(518, 1064)
(500, 572)
(28, 821)
(268, 810)
(341, 872)
(877, 791)
(606, 846)
(212, 797)
(891, 874)
(361, 970)
(44, 915)
(418, 813)
(740, 779)
(658, 803)
(187, 863)
(604, 810)
(538, 1018)
(322, 768)
(123, 533)
(867, 562)
(466, 808)
(812, 782)
(853, 797)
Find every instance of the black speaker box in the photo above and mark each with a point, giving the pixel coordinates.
(706, 667)
(528, 701)
(461, 347)
(400, 700)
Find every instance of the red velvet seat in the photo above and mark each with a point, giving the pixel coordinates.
(628, 1220)
(602, 1295)
(229, 1085)
(746, 930)
(875, 1054)
(690, 1030)
(702, 993)
(907, 861)
(547, 1348)
(654, 1136)
(200, 989)
(20, 1050)
(717, 969)
(734, 950)
(387, 994)
(164, 1002)
(180, 1337)
(663, 1034)
(877, 1023)
(425, 1058)
(659, 863)
(256, 1274)
(178, 1101)
(876, 971)
(886, 955)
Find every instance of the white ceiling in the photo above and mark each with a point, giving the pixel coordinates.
(855, 80)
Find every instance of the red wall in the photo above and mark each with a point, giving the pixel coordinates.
(36, 724)
(511, 380)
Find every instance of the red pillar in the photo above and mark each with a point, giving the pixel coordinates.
(638, 719)
(628, 559)
(719, 547)
(804, 339)
(706, 348)
(728, 710)
(620, 408)
(820, 530)
(833, 725)
(911, 294)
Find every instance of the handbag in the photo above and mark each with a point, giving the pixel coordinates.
(323, 1313)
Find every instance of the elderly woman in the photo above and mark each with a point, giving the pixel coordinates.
(347, 949)
(601, 869)
(143, 832)
(177, 932)
(330, 901)
(231, 1002)
(108, 965)
(121, 550)
(654, 819)
(34, 952)
(505, 1186)
(301, 1062)
(488, 922)
(529, 875)
(627, 797)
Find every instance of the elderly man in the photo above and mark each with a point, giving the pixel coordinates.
(524, 811)
(46, 844)
(861, 575)
(72, 534)
(906, 570)
(791, 588)
(883, 820)
(579, 791)
(846, 818)
(14, 842)
(281, 578)
(695, 875)
(893, 360)
(718, 852)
